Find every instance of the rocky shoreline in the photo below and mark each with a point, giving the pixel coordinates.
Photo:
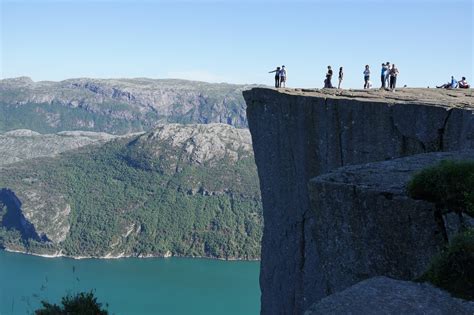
(122, 255)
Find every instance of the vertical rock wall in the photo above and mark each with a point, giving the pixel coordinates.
(297, 136)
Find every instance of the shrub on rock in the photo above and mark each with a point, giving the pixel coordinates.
(450, 185)
(453, 269)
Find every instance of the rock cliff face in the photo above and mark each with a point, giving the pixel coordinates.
(366, 225)
(298, 135)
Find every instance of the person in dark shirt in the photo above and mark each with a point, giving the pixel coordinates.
(383, 75)
(328, 83)
(277, 76)
(341, 75)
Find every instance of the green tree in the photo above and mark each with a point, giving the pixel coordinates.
(83, 303)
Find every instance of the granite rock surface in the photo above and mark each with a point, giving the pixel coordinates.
(300, 134)
(382, 295)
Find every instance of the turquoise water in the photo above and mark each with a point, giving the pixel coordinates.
(132, 286)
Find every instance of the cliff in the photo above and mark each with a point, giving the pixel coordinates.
(366, 225)
(300, 134)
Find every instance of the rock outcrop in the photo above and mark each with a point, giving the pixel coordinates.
(366, 225)
(382, 295)
(298, 135)
(175, 144)
(23, 144)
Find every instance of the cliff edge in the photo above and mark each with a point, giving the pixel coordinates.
(300, 134)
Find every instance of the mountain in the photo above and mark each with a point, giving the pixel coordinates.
(182, 190)
(116, 106)
(24, 144)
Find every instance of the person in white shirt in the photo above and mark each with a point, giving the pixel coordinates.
(393, 77)
(383, 75)
(366, 77)
(387, 75)
(283, 76)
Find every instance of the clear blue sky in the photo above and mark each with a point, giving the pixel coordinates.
(237, 41)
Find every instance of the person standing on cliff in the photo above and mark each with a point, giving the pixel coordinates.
(328, 83)
(341, 75)
(366, 77)
(387, 75)
(283, 77)
(393, 77)
(277, 76)
(383, 75)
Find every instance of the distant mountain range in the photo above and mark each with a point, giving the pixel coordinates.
(182, 190)
(116, 106)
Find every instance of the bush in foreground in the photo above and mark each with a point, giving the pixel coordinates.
(453, 269)
(450, 185)
(84, 303)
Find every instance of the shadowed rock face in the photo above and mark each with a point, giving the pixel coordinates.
(298, 135)
(366, 225)
(382, 295)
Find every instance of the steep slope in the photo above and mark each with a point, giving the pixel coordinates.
(300, 134)
(185, 190)
(116, 106)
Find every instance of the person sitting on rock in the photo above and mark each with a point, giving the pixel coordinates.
(463, 83)
(454, 82)
(277, 76)
(450, 85)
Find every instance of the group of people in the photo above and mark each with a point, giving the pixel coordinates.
(388, 78)
(455, 84)
(280, 76)
(328, 82)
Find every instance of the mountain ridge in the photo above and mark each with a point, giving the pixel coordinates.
(117, 106)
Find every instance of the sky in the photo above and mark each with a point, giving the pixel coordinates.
(237, 41)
